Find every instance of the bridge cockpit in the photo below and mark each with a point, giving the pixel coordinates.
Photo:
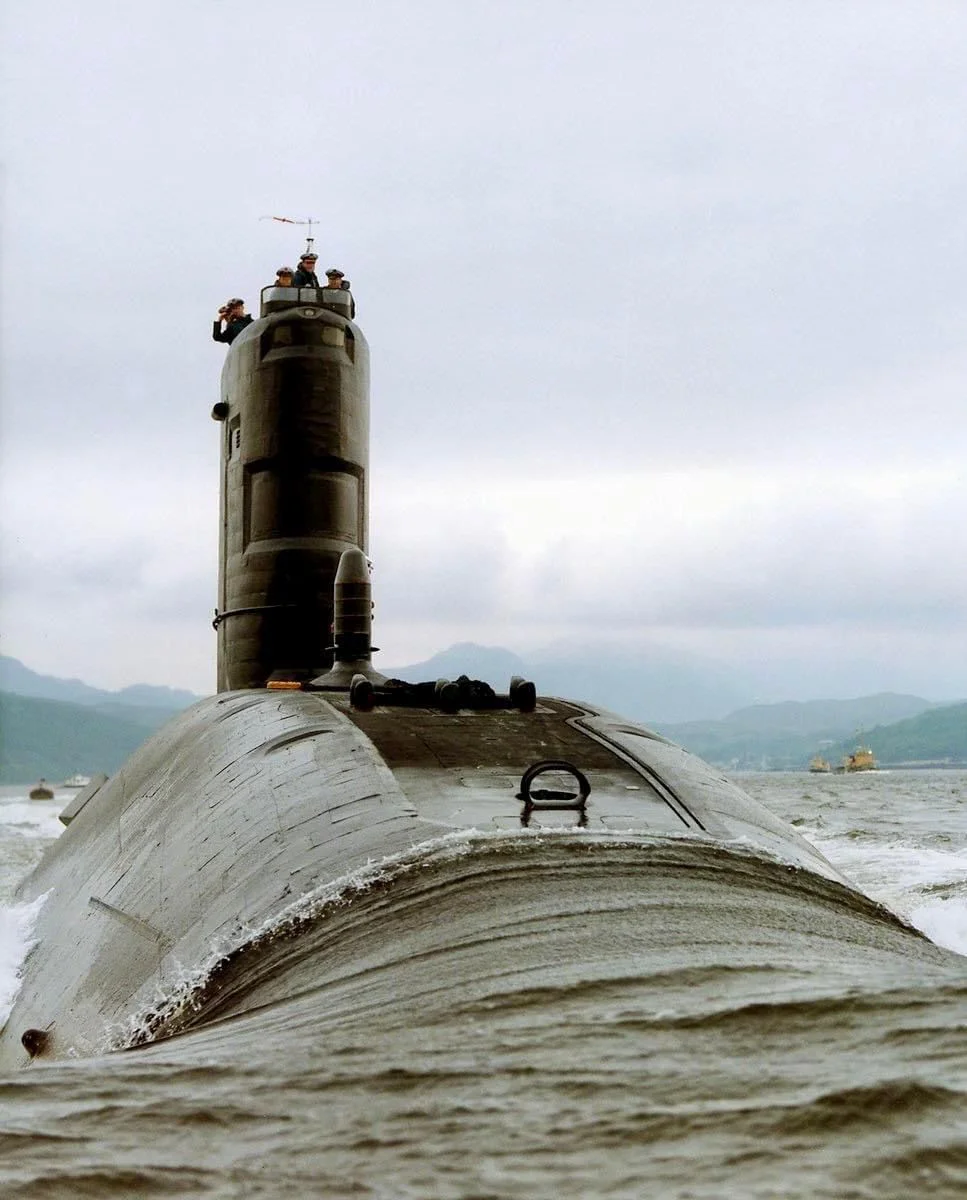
(337, 300)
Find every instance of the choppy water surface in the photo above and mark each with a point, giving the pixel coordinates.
(547, 1017)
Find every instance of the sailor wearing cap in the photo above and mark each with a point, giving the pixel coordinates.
(283, 277)
(233, 316)
(305, 275)
(336, 279)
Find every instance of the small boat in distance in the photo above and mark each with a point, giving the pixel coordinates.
(43, 791)
(76, 781)
(819, 765)
(860, 760)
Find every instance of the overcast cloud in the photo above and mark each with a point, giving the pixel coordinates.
(666, 306)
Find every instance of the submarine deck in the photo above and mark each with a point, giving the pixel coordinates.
(465, 768)
(251, 801)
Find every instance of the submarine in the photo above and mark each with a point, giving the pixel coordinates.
(309, 777)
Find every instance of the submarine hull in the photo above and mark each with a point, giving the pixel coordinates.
(254, 810)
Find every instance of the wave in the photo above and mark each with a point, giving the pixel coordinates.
(516, 920)
(31, 818)
(16, 941)
(884, 1104)
(926, 884)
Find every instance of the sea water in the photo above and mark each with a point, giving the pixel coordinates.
(668, 1051)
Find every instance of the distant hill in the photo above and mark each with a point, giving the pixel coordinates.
(937, 736)
(54, 739)
(817, 717)
(89, 729)
(58, 727)
(655, 688)
(645, 684)
(490, 663)
(786, 736)
(15, 677)
(747, 748)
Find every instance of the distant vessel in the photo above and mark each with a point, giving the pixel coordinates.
(43, 791)
(76, 781)
(860, 760)
(819, 765)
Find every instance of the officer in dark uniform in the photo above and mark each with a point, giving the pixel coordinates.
(336, 279)
(233, 316)
(305, 275)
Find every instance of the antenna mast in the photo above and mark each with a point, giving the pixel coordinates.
(310, 221)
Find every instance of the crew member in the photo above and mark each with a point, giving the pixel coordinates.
(336, 279)
(305, 275)
(233, 316)
(283, 277)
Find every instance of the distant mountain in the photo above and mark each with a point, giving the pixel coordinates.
(490, 663)
(147, 695)
(54, 739)
(148, 716)
(746, 747)
(15, 677)
(57, 727)
(645, 684)
(662, 690)
(817, 717)
(786, 736)
(937, 736)
(656, 687)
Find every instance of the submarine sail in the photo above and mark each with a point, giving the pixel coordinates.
(294, 483)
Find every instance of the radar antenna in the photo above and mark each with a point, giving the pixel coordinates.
(310, 221)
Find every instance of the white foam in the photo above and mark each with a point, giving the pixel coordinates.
(944, 921)
(16, 941)
(32, 818)
(902, 875)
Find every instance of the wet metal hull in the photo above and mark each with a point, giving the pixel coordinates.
(251, 800)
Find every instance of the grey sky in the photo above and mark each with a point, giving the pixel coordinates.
(665, 301)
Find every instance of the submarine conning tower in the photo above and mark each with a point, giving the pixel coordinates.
(294, 408)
